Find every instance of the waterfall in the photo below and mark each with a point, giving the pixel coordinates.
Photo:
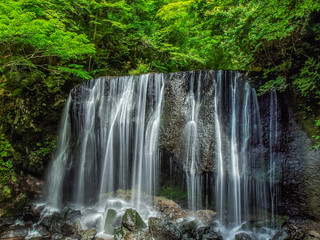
(56, 173)
(240, 187)
(191, 150)
(112, 142)
(273, 155)
(109, 140)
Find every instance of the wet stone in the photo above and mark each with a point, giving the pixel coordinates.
(243, 236)
(76, 228)
(71, 216)
(15, 232)
(132, 220)
(163, 230)
(281, 235)
(188, 228)
(110, 221)
(57, 236)
(89, 234)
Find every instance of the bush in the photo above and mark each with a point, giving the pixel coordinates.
(7, 175)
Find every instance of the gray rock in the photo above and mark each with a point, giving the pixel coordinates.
(243, 236)
(162, 230)
(281, 235)
(71, 216)
(15, 232)
(188, 228)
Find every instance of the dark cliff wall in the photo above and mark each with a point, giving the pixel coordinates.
(297, 176)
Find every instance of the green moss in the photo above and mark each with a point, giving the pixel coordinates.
(280, 220)
(173, 193)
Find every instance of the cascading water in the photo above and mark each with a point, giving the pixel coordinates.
(240, 186)
(55, 176)
(109, 140)
(191, 150)
(273, 155)
(112, 143)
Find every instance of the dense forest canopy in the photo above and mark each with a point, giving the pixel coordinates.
(49, 46)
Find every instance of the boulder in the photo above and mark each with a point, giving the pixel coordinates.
(188, 228)
(243, 236)
(110, 221)
(162, 230)
(132, 220)
(71, 216)
(205, 216)
(169, 208)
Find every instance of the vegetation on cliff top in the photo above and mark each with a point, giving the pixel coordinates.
(47, 47)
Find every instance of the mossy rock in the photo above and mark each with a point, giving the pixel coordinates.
(132, 220)
(110, 220)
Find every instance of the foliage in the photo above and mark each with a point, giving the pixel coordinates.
(48, 47)
(316, 137)
(308, 81)
(41, 151)
(7, 175)
(173, 193)
(278, 85)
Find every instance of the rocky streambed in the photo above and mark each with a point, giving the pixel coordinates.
(169, 221)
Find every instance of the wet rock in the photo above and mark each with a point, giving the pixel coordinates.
(43, 231)
(57, 236)
(314, 233)
(76, 228)
(281, 235)
(15, 232)
(34, 186)
(141, 235)
(200, 231)
(244, 236)
(110, 221)
(50, 221)
(119, 230)
(71, 216)
(176, 91)
(6, 221)
(188, 228)
(169, 208)
(205, 216)
(132, 220)
(89, 234)
(31, 213)
(72, 238)
(162, 230)
(66, 229)
(211, 236)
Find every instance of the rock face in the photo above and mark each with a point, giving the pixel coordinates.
(297, 176)
(298, 166)
(175, 115)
